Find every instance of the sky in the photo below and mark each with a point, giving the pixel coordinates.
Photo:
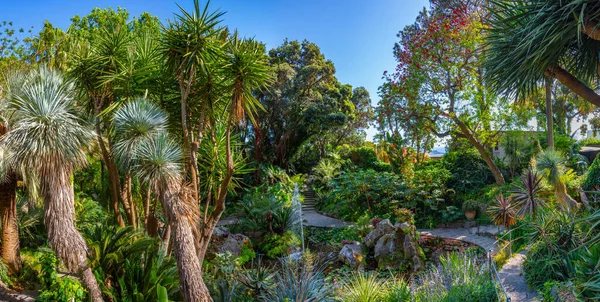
(357, 35)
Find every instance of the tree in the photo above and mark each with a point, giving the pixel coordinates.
(48, 141)
(189, 44)
(439, 74)
(8, 182)
(530, 40)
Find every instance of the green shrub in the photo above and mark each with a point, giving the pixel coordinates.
(404, 215)
(265, 210)
(470, 205)
(63, 289)
(591, 179)
(468, 171)
(299, 281)
(355, 193)
(459, 278)
(592, 141)
(541, 266)
(366, 158)
(247, 254)
(276, 245)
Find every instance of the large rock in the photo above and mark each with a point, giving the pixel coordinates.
(222, 241)
(399, 249)
(351, 255)
(382, 228)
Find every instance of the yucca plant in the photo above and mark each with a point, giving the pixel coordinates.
(299, 282)
(49, 141)
(552, 166)
(503, 212)
(527, 197)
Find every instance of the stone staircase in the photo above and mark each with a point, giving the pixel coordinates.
(309, 199)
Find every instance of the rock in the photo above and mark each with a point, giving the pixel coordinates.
(382, 228)
(222, 241)
(351, 255)
(386, 245)
(405, 227)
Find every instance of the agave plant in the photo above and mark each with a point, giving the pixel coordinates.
(526, 197)
(503, 212)
(299, 281)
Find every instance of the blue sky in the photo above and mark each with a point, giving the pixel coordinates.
(357, 35)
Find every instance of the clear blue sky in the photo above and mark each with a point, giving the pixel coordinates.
(357, 35)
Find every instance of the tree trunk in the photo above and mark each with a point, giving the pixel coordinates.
(10, 228)
(64, 239)
(127, 199)
(498, 177)
(113, 177)
(181, 216)
(549, 115)
(574, 84)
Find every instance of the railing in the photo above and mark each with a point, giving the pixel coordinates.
(500, 290)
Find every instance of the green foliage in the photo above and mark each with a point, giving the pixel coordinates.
(542, 265)
(259, 279)
(299, 281)
(247, 254)
(130, 266)
(470, 205)
(366, 158)
(589, 142)
(451, 214)
(265, 210)
(4, 277)
(404, 215)
(459, 278)
(63, 289)
(355, 193)
(277, 245)
(587, 273)
(363, 287)
(591, 179)
(333, 236)
(468, 171)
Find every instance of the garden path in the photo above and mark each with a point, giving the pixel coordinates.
(316, 219)
(512, 277)
(464, 234)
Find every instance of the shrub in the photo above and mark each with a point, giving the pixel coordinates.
(541, 266)
(63, 289)
(276, 245)
(468, 171)
(458, 278)
(470, 205)
(265, 210)
(592, 141)
(366, 158)
(362, 287)
(356, 193)
(404, 215)
(591, 179)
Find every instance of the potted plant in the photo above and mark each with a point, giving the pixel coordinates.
(470, 207)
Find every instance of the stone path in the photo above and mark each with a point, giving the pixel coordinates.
(465, 235)
(314, 218)
(512, 277)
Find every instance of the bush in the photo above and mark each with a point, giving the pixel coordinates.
(355, 193)
(541, 266)
(366, 158)
(468, 171)
(276, 245)
(265, 210)
(459, 278)
(363, 287)
(591, 179)
(470, 205)
(299, 281)
(592, 141)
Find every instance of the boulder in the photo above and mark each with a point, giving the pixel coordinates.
(351, 255)
(399, 249)
(382, 228)
(222, 241)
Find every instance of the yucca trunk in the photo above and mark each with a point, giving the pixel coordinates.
(64, 239)
(564, 199)
(10, 228)
(180, 215)
(549, 114)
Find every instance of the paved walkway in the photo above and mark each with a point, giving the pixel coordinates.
(464, 235)
(512, 277)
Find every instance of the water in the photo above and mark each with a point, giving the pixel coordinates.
(296, 219)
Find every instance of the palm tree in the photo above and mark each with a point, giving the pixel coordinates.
(552, 165)
(135, 121)
(158, 163)
(48, 140)
(8, 182)
(533, 39)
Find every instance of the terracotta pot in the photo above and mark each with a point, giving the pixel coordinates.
(470, 214)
